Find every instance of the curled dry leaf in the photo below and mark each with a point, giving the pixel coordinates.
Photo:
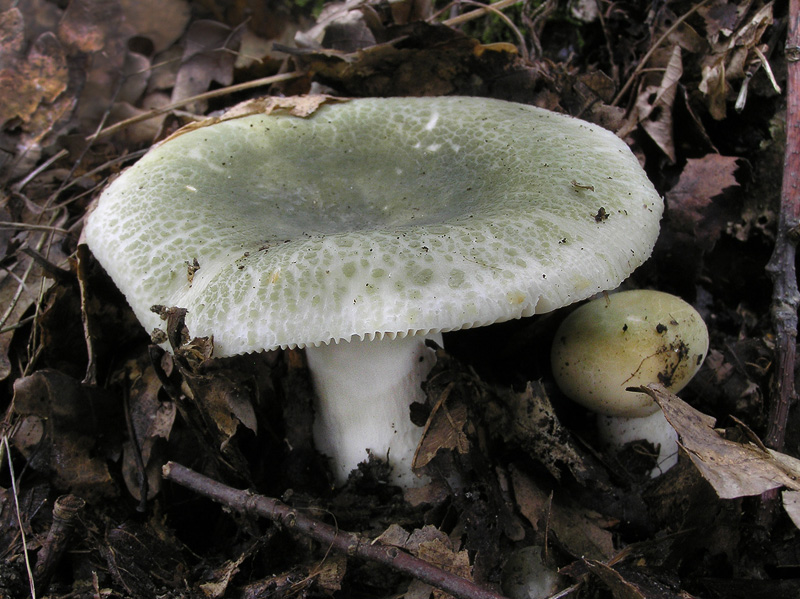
(342, 26)
(734, 36)
(654, 105)
(733, 469)
(214, 403)
(446, 429)
(152, 421)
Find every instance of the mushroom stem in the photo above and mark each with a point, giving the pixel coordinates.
(618, 431)
(364, 392)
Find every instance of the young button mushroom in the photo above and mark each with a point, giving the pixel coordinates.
(629, 339)
(367, 227)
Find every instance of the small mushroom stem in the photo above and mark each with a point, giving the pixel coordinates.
(618, 431)
(364, 392)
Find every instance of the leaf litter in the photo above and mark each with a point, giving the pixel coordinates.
(94, 408)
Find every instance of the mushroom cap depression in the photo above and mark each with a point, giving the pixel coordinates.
(373, 218)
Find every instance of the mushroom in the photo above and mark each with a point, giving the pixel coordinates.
(366, 228)
(630, 339)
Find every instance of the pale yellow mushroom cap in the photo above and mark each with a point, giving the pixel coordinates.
(628, 339)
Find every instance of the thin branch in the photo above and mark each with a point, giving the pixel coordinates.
(480, 12)
(18, 512)
(781, 266)
(65, 514)
(204, 96)
(29, 227)
(352, 544)
(497, 12)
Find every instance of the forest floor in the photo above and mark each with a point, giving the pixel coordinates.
(93, 410)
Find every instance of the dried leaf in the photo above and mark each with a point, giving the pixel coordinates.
(160, 21)
(221, 578)
(208, 56)
(60, 429)
(791, 503)
(435, 547)
(692, 208)
(87, 25)
(341, 26)
(733, 469)
(733, 34)
(152, 421)
(446, 429)
(528, 420)
(654, 105)
(28, 80)
(576, 528)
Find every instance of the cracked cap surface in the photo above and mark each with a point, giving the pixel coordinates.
(374, 217)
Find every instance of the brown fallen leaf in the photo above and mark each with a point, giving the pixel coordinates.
(654, 106)
(28, 79)
(735, 34)
(160, 21)
(791, 503)
(87, 25)
(208, 56)
(733, 469)
(527, 420)
(576, 529)
(65, 429)
(435, 547)
(215, 403)
(152, 421)
(692, 206)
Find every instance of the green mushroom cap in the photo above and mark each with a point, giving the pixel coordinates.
(374, 218)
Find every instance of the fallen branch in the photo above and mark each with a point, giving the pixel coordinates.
(354, 545)
(781, 266)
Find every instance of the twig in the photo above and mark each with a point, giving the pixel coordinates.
(23, 536)
(474, 14)
(4, 224)
(491, 8)
(65, 512)
(204, 96)
(781, 266)
(352, 544)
